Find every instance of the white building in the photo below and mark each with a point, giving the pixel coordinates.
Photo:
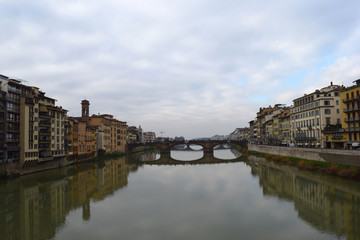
(311, 113)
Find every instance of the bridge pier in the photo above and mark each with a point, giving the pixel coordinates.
(208, 154)
(208, 149)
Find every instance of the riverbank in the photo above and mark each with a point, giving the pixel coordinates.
(8, 170)
(335, 165)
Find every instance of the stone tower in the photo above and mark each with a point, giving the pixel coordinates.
(85, 108)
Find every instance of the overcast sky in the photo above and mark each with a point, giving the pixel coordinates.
(187, 68)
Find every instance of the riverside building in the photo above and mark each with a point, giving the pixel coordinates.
(311, 114)
(346, 134)
(350, 102)
(31, 126)
(100, 133)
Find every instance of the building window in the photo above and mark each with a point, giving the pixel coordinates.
(326, 103)
(327, 121)
(327, 111)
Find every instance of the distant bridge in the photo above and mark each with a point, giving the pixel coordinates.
(165, 147)
(166, 159)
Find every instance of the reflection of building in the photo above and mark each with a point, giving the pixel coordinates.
(327, 206)
(34, 207)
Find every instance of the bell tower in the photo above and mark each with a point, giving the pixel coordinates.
(85, 108)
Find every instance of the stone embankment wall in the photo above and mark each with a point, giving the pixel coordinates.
(346, 157)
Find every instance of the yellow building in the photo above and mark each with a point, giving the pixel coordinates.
(106, 132)
(284, 127)
(346, 134)
(350, 114)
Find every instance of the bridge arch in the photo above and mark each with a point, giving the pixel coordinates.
(165, 147)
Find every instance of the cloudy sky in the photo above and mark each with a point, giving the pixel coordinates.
(186, 68)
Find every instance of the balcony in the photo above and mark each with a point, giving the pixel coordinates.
(44, 140)
(13, 89)
(12, 139)
(13, 148)
(305, 138)
(44, 146)
(17, 100)
(44, 123)
(45, 115)
(352, 129)
(15, 120)
(351, 119)
(351, 99)
(15, 110)
(9, 129)
(44, 132)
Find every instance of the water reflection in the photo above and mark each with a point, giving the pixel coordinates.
(327, 203)
(186, 155)
(222, 200)
(33, 207)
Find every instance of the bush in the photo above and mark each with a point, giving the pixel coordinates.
(347, 173)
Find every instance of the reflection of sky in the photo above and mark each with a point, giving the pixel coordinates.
(224, 154)
(186, 155)
(222, 201)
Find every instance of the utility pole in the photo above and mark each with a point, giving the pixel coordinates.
(161, 133)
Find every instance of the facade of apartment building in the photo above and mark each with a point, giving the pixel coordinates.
(284, 127)
(311, 113)
(149, 137)
(265, 123)
(240, 134)
(100, 132)
(134, 134)
(31, 126)
(252, 133)
(350, 102)
(346, 135)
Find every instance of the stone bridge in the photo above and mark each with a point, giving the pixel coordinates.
(165, 147)
(166, 159)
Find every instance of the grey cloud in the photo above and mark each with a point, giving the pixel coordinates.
(188, 68)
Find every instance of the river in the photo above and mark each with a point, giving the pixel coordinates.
(149, 196)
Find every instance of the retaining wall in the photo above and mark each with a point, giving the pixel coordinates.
(346, 157)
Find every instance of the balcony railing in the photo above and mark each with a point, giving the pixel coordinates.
(13, 129)
(44, 140)
(13, 99)
(352, 129)
(305, 138)
(12, 139)
(351, 99)
(42, 122)
(12, 89)
(45, 114)
(45, 132)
